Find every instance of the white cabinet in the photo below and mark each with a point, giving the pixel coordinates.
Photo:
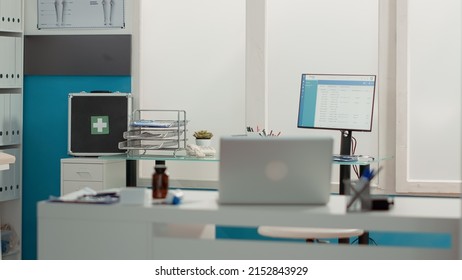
(11, 82)
(95, 173)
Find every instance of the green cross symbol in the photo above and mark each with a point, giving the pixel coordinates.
(99, 125)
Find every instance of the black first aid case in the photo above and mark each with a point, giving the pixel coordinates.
(97, 122)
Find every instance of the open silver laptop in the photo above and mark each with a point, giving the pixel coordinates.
(275, 170)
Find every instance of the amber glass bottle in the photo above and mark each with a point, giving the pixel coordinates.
(159, 181)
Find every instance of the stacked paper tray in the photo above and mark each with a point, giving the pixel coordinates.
(155, 130)
(158, 123)
(147, 134)
(148, 145)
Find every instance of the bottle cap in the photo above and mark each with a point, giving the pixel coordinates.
(174, 197)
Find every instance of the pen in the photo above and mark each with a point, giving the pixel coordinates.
(103, 194)
(375, 173)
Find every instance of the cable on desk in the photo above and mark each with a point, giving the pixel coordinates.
(371, 240)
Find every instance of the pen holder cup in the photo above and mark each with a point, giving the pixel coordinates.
(261, 134)
(359, 195)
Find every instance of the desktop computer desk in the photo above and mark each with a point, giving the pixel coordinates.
(186, 231)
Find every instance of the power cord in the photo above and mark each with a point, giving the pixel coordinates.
(354, 144)
(371, 240)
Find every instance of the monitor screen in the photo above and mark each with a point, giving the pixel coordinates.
(341, 102)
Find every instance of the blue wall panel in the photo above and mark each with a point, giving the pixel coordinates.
(45, 139)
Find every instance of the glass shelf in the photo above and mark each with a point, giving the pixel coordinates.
(161, 157)
(360, 161)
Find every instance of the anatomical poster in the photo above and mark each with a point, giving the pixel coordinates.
(80, 14)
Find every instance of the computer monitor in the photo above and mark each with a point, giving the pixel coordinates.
(340, 102)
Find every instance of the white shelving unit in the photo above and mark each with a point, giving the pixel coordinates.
(11, 96)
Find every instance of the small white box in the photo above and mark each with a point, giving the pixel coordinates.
(133, 196)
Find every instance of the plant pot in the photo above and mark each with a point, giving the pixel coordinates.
(203, 142)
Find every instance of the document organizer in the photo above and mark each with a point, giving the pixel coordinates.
(155, 130)
(97, 122)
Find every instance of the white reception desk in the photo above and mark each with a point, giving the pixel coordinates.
(186, 231)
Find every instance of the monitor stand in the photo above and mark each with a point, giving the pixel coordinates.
(345, 149)
(345, 174)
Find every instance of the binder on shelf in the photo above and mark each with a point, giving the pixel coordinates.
(9, 179)
(18, 79)
(15, 118)
(2, 119)
(6, 125)
(7, 60)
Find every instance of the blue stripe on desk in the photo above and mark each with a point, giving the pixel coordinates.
(414, 239)
(411, 239)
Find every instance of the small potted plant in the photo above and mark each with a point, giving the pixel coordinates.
(203, 138)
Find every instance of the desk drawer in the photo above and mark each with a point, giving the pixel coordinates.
(72, 186)
(82, 172)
